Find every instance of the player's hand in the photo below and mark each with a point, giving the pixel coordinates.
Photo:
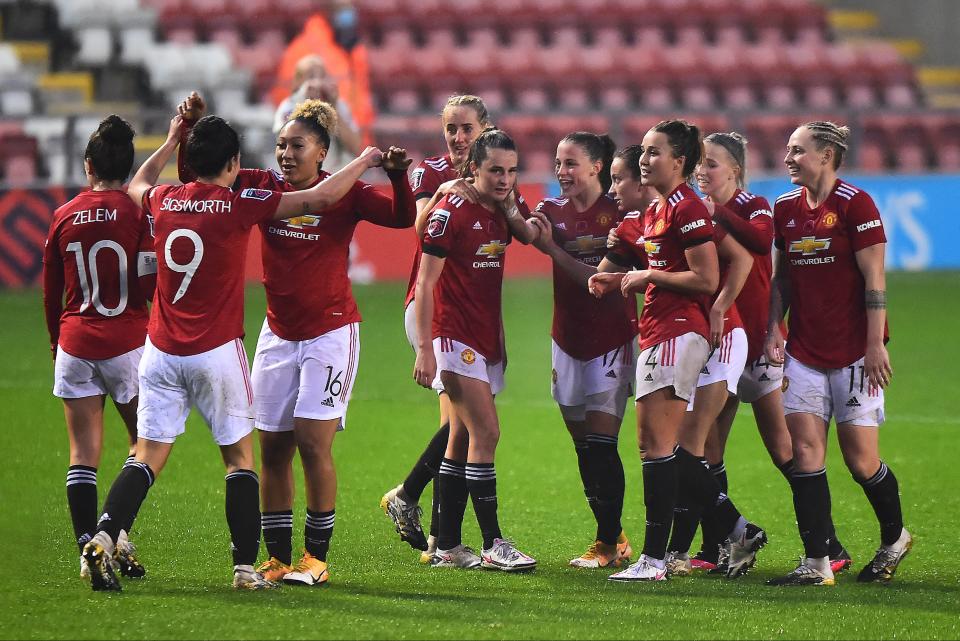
(612, 238)
(176, 124)
(716, 327)
(462, 187)
(395, 160)
(425, 368)
(876, 365)
(635, 281)
(193, 107)
(602, 283)
(773, 347)
(544, 241)
(372, 156)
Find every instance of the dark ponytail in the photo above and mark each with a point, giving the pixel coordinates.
(685, 140)
(110, 149)
(597, 147)
(631, 158)
(489, 139)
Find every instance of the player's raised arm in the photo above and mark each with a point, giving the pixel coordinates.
(192, 109)
(146, 177)
(329, 191)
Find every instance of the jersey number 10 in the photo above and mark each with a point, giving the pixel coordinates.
(90, 284)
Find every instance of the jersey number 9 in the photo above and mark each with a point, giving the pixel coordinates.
(187, 269)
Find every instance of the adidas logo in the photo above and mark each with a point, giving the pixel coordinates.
(648, 378)
(791, 223)
(705, 371)
(764, 377)
(611, 374)
(328, 402)
(853, 402)
(562, 226)
(477, 225)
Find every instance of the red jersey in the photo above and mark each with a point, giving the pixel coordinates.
(661, 236)
(732, 318)
(467, 298)
(201, 233)
(98, 245)
(319, 244)
(424, 181)
(749, 220)
(583, 326)
(828, 316)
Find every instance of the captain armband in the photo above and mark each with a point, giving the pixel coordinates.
(876, 299)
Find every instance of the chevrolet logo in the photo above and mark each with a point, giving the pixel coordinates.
(299, 222)
(651, 247)
(809, 245)
(493, 249)
(585, 244)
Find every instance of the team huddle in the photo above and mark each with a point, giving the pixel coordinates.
(156, 322)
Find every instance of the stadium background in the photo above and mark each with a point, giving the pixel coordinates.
(888, 68)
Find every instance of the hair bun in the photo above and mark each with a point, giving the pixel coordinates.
(114, 130)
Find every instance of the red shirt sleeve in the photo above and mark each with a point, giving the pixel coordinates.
(692, 223)
(864, 225)
(439, 235)
(398, 212)
(146, 258)
(256, 205)
(756, 234)
(626, 252)
(53, 284)
(778, 241)
(424, 181)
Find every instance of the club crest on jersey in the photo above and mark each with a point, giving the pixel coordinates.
(438, 223)
(604, 219)
(810, 245)
(829, 220)
(256, 194)
(468, 356)
(299, 222)
(416, 178)
(658, 227)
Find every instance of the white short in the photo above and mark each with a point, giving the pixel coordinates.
(304, 379)
(726, 363)
(601, 384)
(759, 378)
(216, 382)
(843, 393)
(673, 363)
(79, 378)
(456, 357)
(410, 326)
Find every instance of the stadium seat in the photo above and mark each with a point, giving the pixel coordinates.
(96, 45)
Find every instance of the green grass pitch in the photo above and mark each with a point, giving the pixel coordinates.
(378, 590)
